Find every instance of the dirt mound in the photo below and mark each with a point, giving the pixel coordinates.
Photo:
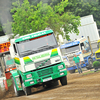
(1, 94)
(7, 94)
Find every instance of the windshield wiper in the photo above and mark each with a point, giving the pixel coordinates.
(44, 47)
(29, 51)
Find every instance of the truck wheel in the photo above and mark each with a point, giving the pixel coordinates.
(63, 80)
(17, 93)
(55, 83)
(72, 71)
(90, 66)
(27, 90)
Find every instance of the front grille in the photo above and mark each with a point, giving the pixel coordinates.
(45, 72)
(70, 58)
(43, 63)
(98, 55)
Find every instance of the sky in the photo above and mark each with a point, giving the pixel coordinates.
(5, 15)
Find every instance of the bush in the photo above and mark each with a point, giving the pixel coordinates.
(96, 64)
(9, 82)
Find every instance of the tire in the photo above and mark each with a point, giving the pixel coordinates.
(27, 90)
(90, 66)
(72, 71)
(17, 93)
(63, 80)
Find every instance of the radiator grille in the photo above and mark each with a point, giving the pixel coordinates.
(45, 72)
(70, 58)
(43, 63)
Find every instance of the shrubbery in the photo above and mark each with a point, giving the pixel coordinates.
(96, 64)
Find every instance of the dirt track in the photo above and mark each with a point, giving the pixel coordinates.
(80, 87)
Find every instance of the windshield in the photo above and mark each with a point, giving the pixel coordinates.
(99, 44)
(9, 62)
(36, 45)
(70, 49)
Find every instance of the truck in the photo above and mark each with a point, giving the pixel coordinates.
(5, 55)
(38, 62)
(3, 80)
(97, 53)
(82, 48)
(88, 28)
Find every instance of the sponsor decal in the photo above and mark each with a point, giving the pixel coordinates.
(69, 44)
(27, 60)
(37, 34)
(17, 61)
(40, 56)
(54, 52)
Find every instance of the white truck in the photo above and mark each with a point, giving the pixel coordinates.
(81, 48)
(88, 28)
(38, 60)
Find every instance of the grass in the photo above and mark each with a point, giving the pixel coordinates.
(90, 72)
(9, 82)
(84, 73)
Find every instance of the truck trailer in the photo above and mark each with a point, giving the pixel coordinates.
(88, 28)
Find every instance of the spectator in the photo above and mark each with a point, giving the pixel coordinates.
(10, 62)
(77, 61)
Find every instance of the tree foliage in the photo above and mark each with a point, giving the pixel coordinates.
(0, 27)
(1, 30)
(77, 7)
(85, 7)
(29, 18)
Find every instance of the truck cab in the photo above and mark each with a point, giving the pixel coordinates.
(97, 53)
(38, 60)
(81, 48)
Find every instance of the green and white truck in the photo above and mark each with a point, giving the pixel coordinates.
(38, 60)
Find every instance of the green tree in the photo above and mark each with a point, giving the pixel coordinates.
(85, 7)
(49, 2)
(0, 27)
(31, 18)
(1, 30)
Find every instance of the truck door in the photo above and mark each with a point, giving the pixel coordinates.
(85, 47)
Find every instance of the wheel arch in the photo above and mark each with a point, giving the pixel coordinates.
(14, 73)
(89, 57)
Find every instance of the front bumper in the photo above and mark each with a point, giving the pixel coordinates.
(45, 74)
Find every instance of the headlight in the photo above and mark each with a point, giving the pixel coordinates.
(29, 75)
(28, 80)
(61, 73)
(32, 82)
(61, 66)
